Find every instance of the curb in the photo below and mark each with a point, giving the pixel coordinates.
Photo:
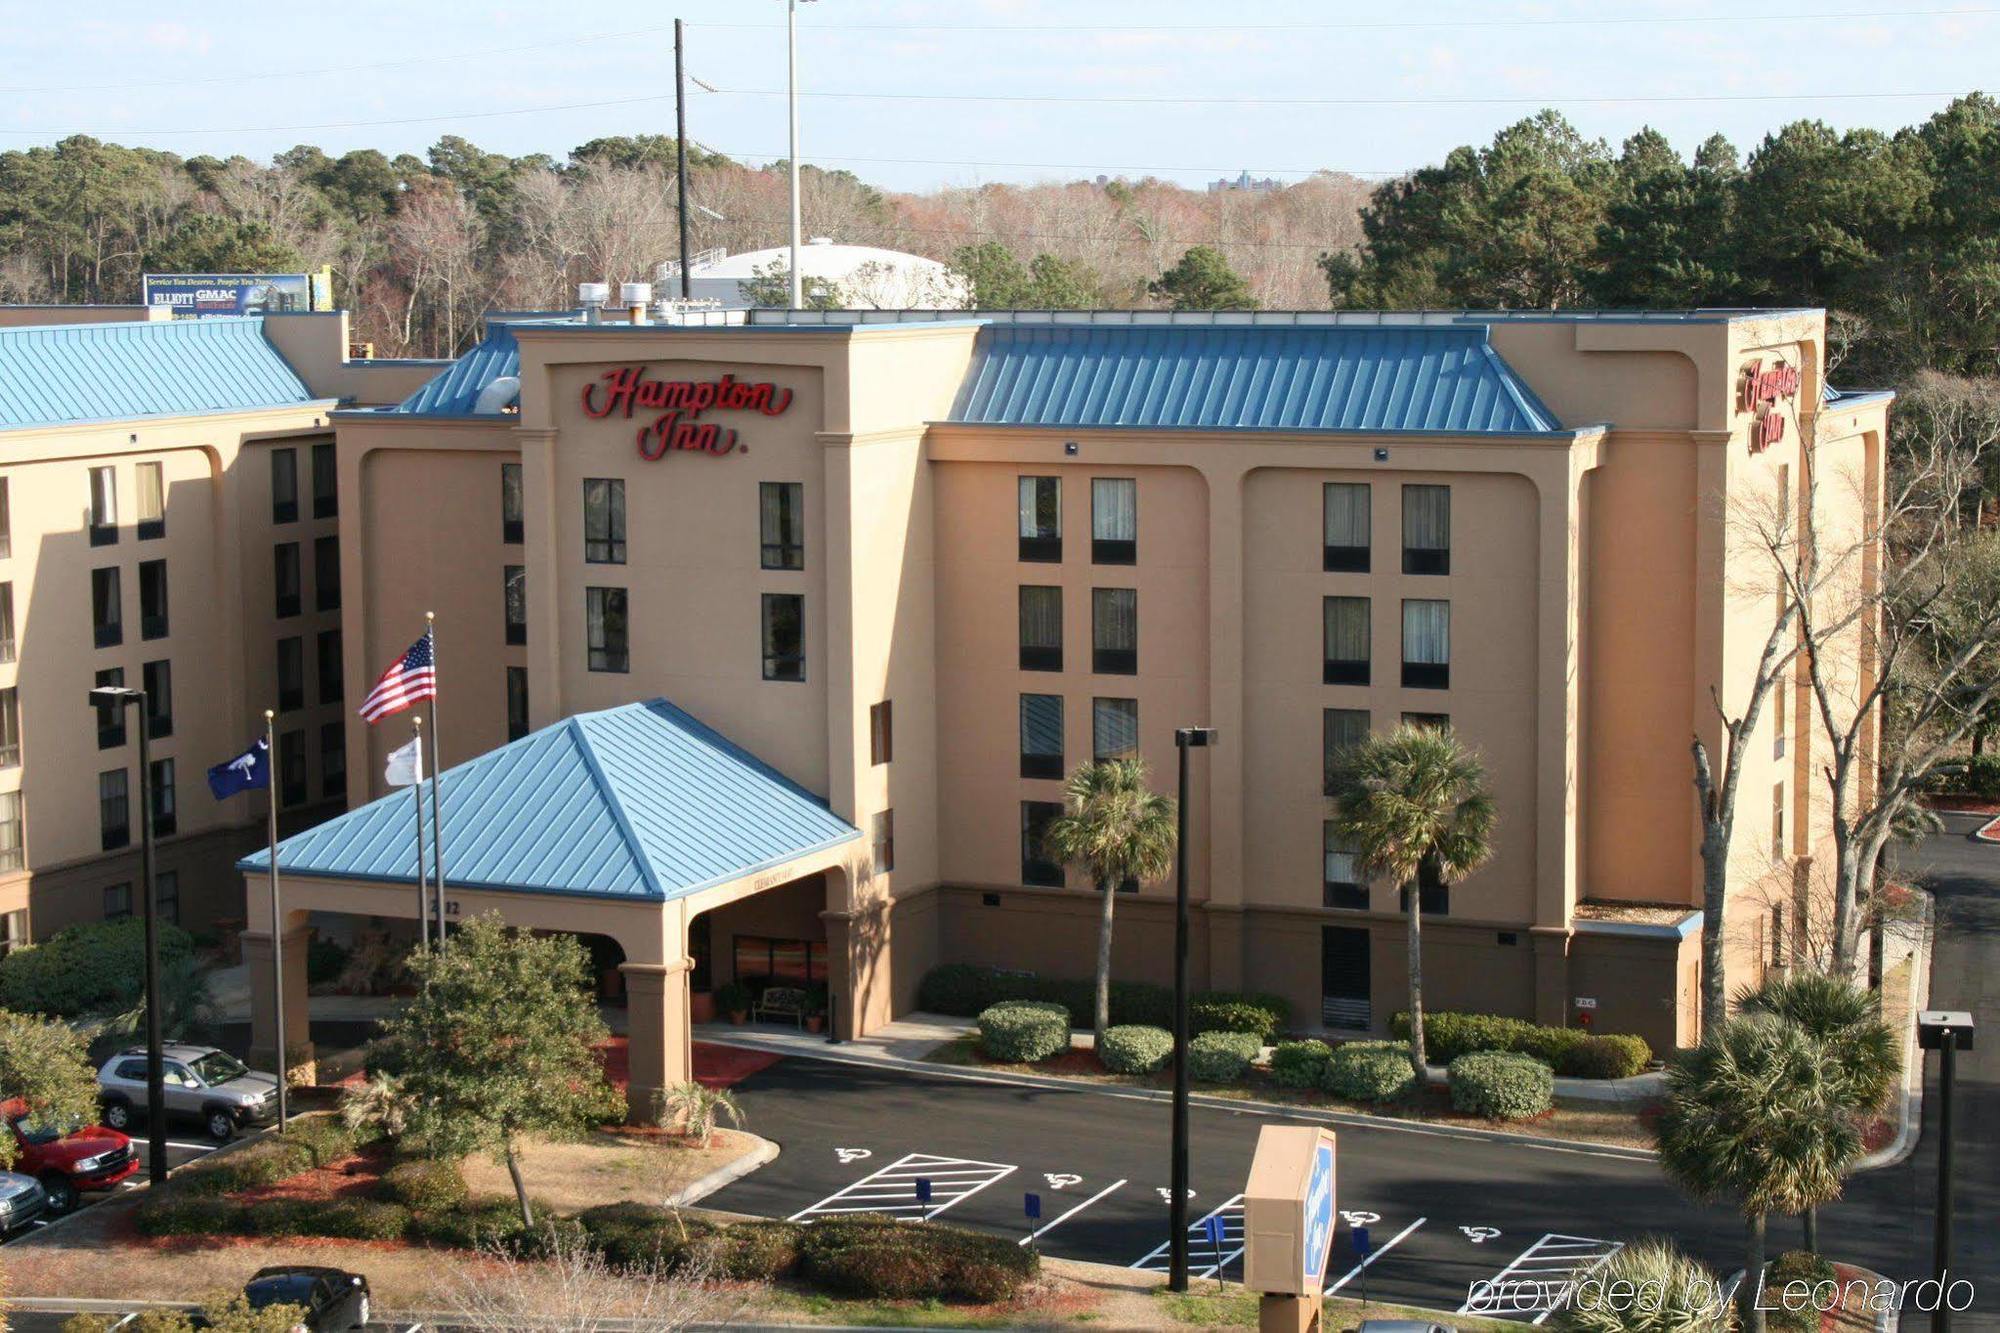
(1989, 831)
(764, 1153)
(1353, 1118)
(1905, 1142)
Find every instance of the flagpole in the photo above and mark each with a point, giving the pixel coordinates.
(277, 921)
(437, 778)
(423, 884)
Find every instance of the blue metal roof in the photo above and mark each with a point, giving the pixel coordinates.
(640, 801)
(454, 391)
(55, 374)
(1442, 379)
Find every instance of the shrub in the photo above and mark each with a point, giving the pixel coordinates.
(1614, 1055)
(635, 1235)
(1980, 778)
(746, 1251)
(1502, 1086)
(1674, 1294)
(425, 1185)
(266, 1162)
(86, 968)
(876, 1258)
(342, 1219)
(1300, 1064)
(1221, 1057)
(733, 997)
(1370, 1071)
(1023, 1030)
(1554, 1047)
(175, 1212)
(1448, 1035)
(958, 989)
(466, 1227)
(327, 1138)
(325, 961)
(1133, 1049)
(1789, 1267)
(1225, 1011)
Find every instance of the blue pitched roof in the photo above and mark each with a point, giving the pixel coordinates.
(1445, 379)
(54, 374)
(641, 801)
(454, 391)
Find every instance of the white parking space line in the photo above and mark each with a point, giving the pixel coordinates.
(1541, 1278)
(892, 1189)
(1199, 1251)
(193, 1147)
(1051, 1226)
(1375, 1254)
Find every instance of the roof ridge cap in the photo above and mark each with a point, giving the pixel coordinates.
(581, 735)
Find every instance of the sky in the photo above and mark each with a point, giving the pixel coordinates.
(917, 94)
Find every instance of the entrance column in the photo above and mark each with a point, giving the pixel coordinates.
(263, 999)
(660, 1044)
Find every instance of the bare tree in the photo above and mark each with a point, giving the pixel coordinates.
(571, 1288)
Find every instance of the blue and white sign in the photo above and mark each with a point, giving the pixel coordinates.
(1319, 1211)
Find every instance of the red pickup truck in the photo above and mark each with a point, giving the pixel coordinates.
(91, 1157)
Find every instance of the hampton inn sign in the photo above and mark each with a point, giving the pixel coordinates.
(678, 406)
(1760, 391)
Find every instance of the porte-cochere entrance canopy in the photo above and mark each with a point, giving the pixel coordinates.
(624, 823)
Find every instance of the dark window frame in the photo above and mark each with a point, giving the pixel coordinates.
(514, 602)
(1040, 765)
(784, 667)
(1036, 867)
(332, 747)
(1425, 675)
(110, 717)
(1118, 660)
(782, 548)
(1044, 545)
(284, 486)
(10, 726)
(881, 733)
(107, 607)
(154, 528)
(293, 788)
(157, 678)
(513, 506)
(292, 693)
(287, 604)
(155, 606)
(517, 688)
(1332, 722)
(1105, 703)
(1114, 550)
(1040, 656)
(326, 573)
(331, 668)
(607, 656)
(166, 800)
(604, 534)
(1344, 670)
(1346, 895)
(1348, 558)
(1426, 560)
(883, 841)
(103, 526)
(325, 469)
(114, 809)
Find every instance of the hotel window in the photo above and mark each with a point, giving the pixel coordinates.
(291, 674)
(1041, 518)
(332, 666)
(326, 573)
(107, 615)
(1347, 640)
(285, 578)
(1114, 521)
(784, 636)
(165, 809)
(103, 506)
(885, 841)
(332, 760)
(326, 481)
(1036, 866)
(1347, 527)
(603, 521)
(1041, 629)
(1433, 894)
(517, 702)
(1426, 645)
(6, 522)
(781, 524)
(1427, 529)
(1114, 631)
(6, 622)
(284, 485)
(117, 900)
(513, 512)
(10, 728)
(152, 599)
(1777, 936)
(10, 830)
(881, 733)
(152, 501)
(604, 625)
(1780, 705)
(158, 678)
(1345, 889)
(110, 717)
(515, 591)
(1341, 729)
(167, 894)
(1041, 736)
(761, 959)
(114, 813)
(1778, 822)
(1114, 729)
(292, 768)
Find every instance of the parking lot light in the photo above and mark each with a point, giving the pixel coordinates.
(1946, 1031)
(1185, 739)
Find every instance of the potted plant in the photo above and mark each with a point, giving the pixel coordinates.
(816, 1009)
(701, 1006)
(733, 998)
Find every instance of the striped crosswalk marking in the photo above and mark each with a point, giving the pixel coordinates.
(1541, 1278)
(892, 1190)
(1201, 1255)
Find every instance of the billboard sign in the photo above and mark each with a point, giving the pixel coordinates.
(203, 295)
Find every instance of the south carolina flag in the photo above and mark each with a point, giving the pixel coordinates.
(247, 771)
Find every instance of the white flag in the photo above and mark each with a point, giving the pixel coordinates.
(406, 766)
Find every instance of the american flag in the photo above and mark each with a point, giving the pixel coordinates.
(411, 677)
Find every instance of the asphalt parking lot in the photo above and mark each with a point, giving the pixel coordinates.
(182, 1148)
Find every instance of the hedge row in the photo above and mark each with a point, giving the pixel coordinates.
(632, 1235)
(1571, 1052)
(965, 991)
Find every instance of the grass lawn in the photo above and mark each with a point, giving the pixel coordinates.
(611, 1166)
(1624, 1124)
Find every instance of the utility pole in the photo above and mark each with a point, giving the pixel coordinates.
(1185, 739)
(797, 287)
(681, 151)
(1946, 1031)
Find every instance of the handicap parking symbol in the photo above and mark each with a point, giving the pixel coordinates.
(1359, 1218)
(1480, 1235)
(847, 1155)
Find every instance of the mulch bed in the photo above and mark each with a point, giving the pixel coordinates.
(1964, 805)
(714, 1066)
(355, 1177)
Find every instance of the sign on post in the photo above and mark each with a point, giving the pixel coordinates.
(924, 1195)
(1288, 1220)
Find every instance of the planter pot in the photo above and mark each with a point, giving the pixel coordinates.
(814, 1023)
(737, 1016)
(701, 1006)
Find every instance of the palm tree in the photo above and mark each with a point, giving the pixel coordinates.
(1755, 1115)
(1412, 800)
(1846, 1020)
(696, 1107)
(1115, 829)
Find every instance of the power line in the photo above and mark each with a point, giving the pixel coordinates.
(1164, 100)
(1053, 166)
(1733, 20)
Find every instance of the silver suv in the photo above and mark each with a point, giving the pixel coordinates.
(22, 1200)
(200, 1082)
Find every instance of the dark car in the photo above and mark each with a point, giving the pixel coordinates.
(333, 1298)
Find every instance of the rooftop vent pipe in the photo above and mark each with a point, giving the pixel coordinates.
(635, 297)
(592, 296)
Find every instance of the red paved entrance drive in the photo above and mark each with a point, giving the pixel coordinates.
(716, 1066)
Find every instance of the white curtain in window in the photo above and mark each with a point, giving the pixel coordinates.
(1427, 633)
(1343, 729)
(1347, 522)
(103, 497)
(1114, 509)
(1041, 724)
(1041, 507)
(152, 497)
(1115, 617)
(1347, 629)
(1427, 518)
(1041, 617)
(1341, 867)
(1114, 727)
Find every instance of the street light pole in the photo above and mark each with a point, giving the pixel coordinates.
(1185, 739)
(1946, 1031)
(796, 289)
(121, 697)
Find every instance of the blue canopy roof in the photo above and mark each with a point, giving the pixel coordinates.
(56, 374)
(1440, 379)
(454, 391)
(640, 801)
